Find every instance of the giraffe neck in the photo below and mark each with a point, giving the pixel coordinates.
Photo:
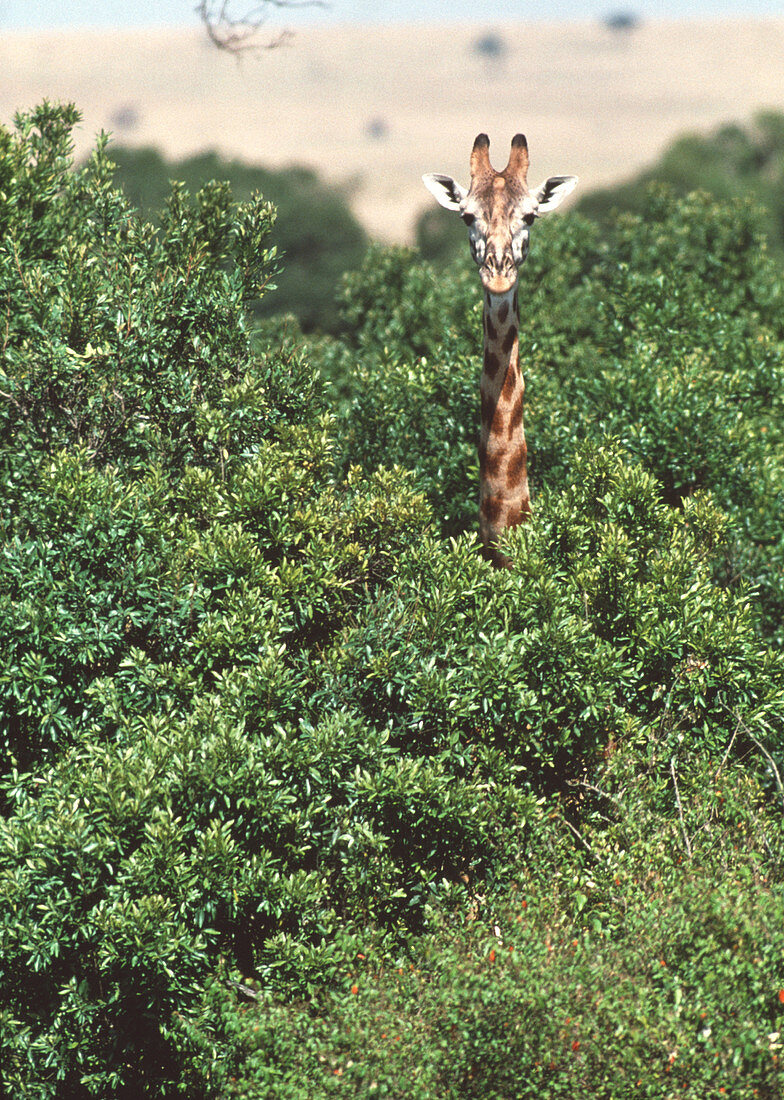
(503, 478)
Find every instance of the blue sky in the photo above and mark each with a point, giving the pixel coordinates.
(19, 14)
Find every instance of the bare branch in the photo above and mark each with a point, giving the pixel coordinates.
(598, 790)
(728, 750)
(582, 839)
(242, 990)
(771, 762)
(240, 34)
(680, 807)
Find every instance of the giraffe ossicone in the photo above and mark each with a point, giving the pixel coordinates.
(499, 209)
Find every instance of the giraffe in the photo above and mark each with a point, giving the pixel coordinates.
(499, 210)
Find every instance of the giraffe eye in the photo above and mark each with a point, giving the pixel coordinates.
(469, 219)
(529, 218)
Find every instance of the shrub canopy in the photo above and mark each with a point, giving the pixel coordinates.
(299, 795)
(315, 231)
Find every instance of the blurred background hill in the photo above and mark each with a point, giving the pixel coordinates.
(337, 125)
(370, 108)
(298, 798)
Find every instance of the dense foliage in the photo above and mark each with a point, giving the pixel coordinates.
(668, 337)
(315, 231)
(737, 161)
(300, 797)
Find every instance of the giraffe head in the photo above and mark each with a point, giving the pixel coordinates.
(499, 209)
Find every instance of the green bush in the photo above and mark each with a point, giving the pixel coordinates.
(403, 380)
(668, 339)
(638, 963)
(439, 236)
(317, 762)
(315, 231)
(288, 772)
(125, 339)
(736, 161)
(684, 366)
(609, 618)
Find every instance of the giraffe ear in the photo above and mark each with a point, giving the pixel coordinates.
(553, 191)
(449, 193)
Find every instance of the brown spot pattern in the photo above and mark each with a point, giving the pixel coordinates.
(515, 471)
(491, 509)
(502, 449)
(491, 364)
(491, 466)
(511, 383)
(514, 516)
(516, 418)
(497, 423)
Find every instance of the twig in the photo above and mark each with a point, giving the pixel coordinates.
(680, 807)
(770, 760)
(597, 790)
(10, 397)
(582, 840)
(236, 34)
(742, 725)
(729, 746)
(241, 989)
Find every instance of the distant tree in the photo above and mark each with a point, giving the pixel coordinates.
(437, 236)
(377, 128)
(237, 33)
(736, 161)
(621, 21)
(491, 46)
(315, 231)
(126, 117)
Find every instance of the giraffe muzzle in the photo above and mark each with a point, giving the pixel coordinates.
(498, 278)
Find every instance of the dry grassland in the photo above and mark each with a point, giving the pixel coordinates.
(374, 108)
